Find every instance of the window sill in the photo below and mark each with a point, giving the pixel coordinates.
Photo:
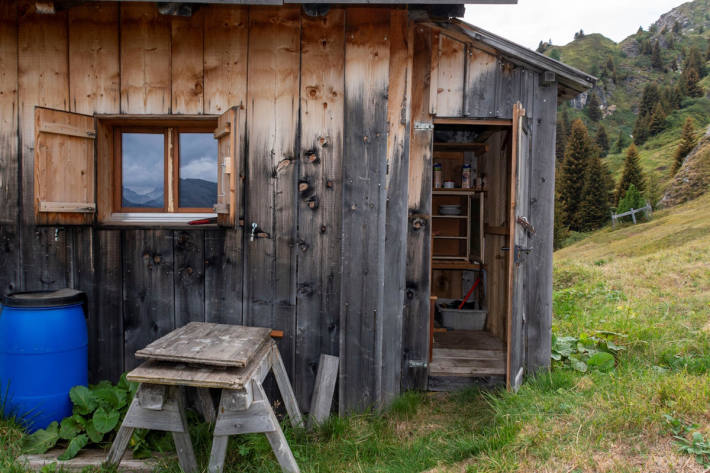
(146, 219)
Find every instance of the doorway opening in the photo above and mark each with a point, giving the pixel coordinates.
(469, 255)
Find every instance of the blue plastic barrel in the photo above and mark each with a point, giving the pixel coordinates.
(43, 354)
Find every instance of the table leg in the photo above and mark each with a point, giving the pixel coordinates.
(206, 405)
(218, 453)
(289, 398)
(183, 444)
(119, 445)
(276, 437)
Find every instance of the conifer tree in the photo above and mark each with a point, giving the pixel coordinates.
(593, 110)
(691, 82)
(695, 60)
(602, 141)
(656, 59)
(573, 171)
(560, 141)
(641, 129)
(687, 143)
(658, 120)
(649, 98)
(632, 173)
(707, 53)
(594, 207)
(620, 142)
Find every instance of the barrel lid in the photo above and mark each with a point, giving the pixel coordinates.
(57, 298)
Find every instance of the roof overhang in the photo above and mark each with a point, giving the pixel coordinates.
(571, 81)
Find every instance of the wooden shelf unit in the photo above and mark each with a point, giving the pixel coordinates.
(458, 228)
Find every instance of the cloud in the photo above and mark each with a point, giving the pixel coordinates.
(143, 161)
(204, 167)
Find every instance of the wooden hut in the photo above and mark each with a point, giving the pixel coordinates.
(324, 123)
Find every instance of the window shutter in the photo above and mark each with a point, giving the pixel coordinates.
(228, 167)
(64, 184)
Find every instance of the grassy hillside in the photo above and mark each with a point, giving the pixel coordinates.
(646, 288)
(620, 89)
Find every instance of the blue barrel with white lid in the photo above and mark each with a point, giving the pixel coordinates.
(43, 354)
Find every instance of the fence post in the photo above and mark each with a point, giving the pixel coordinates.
(633, 215)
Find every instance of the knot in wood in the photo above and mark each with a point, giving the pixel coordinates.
(323, 228)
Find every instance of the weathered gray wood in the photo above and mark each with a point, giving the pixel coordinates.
(364, 207)
(505, 95)
(183, 444)
(224, 265)
(46, 262)
(323, 390)
(399, 114)
(519, 244)
(205, 405)
(320, 195)
(9, 259)
(276, 438)
(107, 361)
(167, 419)
(256, 419)
(289, 399)
(272, 114)
(238, 400)
(88, 457)
(415, 339)
(218, 453)
(196, 375)
(481, 77)
(148, 288)
(209, 344)
(119, 445)
(189, 277)
(542, 192)
(9, 143)
(151, 397)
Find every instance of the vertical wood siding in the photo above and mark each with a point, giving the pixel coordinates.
(329, 176)
(319, 195)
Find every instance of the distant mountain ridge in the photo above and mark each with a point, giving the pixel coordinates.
(196, 193)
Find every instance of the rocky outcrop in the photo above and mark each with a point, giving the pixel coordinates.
(693, 179)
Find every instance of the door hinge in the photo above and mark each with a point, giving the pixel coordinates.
(421, 126)
(417, 364)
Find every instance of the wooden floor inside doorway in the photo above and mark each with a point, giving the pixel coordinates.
(465, 353)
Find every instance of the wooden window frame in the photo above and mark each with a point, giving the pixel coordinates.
(171, 165)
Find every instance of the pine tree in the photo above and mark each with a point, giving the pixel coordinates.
(632, 173)
(691, 82)
(687, 143)
(572, 172)
(695, 60)
(707, 53)
(641, 129)
(593, 110)
(658, 120)
(620, 142)
(560, 141)
(594, 208)
(602, 141)
(649, 98)
(656, 59)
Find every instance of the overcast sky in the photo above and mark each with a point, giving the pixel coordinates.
(530, 21)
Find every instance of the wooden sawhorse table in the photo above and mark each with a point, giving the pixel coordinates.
(243, 407)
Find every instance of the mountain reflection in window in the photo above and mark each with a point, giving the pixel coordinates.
(198, 171)
(142, 173)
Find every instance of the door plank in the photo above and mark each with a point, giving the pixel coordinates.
(450, 83)
(189, 276)
(187, 64)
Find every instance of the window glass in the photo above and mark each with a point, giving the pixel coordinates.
(198, 170)
(143, 167)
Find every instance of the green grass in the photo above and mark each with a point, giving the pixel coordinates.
(648, 283)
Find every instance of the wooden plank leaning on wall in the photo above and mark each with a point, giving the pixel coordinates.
(225, 82)
(9, 158)
(418, 276)
(272, 115)
(320, 195)
(364, 206)
(398, 117)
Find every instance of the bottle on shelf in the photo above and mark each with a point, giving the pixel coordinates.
(466, 177)
(438, 176)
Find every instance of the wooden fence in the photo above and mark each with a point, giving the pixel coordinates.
(646, 210)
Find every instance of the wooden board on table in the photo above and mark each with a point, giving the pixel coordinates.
(209, 344)
(200, 376)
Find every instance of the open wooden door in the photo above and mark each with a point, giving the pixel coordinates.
(228, 167)
(519, 246)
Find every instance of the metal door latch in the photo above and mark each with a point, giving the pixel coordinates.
(252, 235)
(417, 364)
(517, 254)
(525, 223)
